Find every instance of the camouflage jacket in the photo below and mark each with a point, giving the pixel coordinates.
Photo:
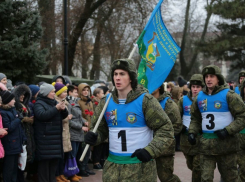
(216, 146)
(242, 133)
(185, 146)
(172, 111)
(156, 120)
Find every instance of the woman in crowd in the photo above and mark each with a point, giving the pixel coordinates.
(22, 95)
(86, 106)
(48, 129)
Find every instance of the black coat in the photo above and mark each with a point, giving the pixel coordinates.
(48, 128)
(28, 128)
(12, 142)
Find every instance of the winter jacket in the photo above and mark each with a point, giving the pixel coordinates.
(85, 104)
(242, 133)
(48, 128)
(66, 131)
(1, 146)
(172, 111)
(23, 108)
(13, 141)
(77, 121)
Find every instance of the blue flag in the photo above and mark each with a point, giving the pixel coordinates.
(158, 52)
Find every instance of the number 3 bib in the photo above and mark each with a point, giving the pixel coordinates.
(215, 111)
(127, 130)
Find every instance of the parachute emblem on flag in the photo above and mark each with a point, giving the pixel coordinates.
(152, 53)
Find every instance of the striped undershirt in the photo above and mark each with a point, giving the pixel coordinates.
(122, 101)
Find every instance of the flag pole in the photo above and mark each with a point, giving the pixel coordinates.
(103, 111)
(132, 52)
(97, 125)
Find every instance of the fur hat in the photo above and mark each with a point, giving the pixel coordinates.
(127, 65)
(196, 79)
(214, 70)
(241, 74)
(59, 88)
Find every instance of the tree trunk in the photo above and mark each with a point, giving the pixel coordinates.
(196, 51)
(95, 71)
(84, 59)
(183, 42)
(46, 8)
(89, 8)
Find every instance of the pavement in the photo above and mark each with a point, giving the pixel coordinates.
(180, 169)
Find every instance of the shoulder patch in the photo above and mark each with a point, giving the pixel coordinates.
(232, 91)
(149, 96)
(170, 100)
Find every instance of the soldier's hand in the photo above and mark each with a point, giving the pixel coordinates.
(90, 138)
(142, 154)
(222, 134)
(192, 139)
(183, 129)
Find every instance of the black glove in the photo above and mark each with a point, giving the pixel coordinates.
(222, 134)
(142, 154)
(90, 138)
(183, 129)
(192, 139)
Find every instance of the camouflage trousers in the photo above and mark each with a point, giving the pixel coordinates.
(165, 168)
(227, 166)
(139, 172)
(193, 163)
(241, 164)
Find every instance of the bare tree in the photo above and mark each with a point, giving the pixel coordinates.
(188, 61)
(47, 12)
(103, 16)
(89, 8)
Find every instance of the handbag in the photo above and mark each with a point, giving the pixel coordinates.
(71, 167)
(22, 158)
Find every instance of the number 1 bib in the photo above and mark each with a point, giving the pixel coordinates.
(214, 110)
(127, 130)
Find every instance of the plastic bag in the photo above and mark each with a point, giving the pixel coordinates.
(22, 158)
